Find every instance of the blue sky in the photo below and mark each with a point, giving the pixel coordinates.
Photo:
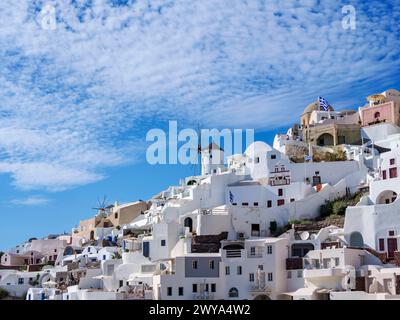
(76, 102)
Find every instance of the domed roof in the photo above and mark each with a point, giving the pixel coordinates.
(315, 107)
(258, 146)
(311, 107)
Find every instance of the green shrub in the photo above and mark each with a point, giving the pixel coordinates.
(339, 207)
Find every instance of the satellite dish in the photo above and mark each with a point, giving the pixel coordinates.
(305, 235)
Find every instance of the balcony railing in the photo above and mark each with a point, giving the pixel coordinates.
(234, 253)
(294, 263)
(203, 296)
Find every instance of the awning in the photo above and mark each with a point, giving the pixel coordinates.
(100, 277)
(323, 290)
(301, 292)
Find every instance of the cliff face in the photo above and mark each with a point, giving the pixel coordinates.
(296, 153)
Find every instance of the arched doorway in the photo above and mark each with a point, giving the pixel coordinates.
(356, 240)
(233, 293)
(386, 197)
(92, 235)
(262, 297)
(301, 249)
(188, 222)
(325, 139)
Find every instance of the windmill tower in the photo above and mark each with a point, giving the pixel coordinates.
(102, 209)
(212, 158)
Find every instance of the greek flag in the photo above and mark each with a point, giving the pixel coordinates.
(307, 158)
(230, 197)
(323, 103)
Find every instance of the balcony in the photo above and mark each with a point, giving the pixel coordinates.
(255, 255)
(203, 296)
(294, 263)
(321, 273)
(233, 253)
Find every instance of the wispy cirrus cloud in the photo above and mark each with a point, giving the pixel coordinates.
(30, 201)
(76, 100)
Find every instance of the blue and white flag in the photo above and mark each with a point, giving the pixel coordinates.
(230, 196)
(323, 103)
(307, 158)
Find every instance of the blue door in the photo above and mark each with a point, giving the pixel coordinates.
(146, 249)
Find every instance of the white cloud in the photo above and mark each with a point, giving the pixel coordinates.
(76, 100)
(30, 201)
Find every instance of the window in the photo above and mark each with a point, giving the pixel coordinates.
(384, 177)
(255, 204)
(391, 233)
(121, 283)
(327, 263)
(163, 243)
(393, 173)
(261, 267)
(180, 291)
(337, 261)
(269, 203)
(280, 202)
(194, 264)
(116, 215)
(392, 162)
(245, 204)
(289, 274)
(257, 160)
(270, 278)
(234, 204)
(269, 249)
(341, 139)
(211, 264)
(194, 287)
(299, 273)
(206, 289)
(239, 270)
(381, 244)
(280, 192)
(227, 270)
(213, 287)
(233, 293)
(169, 291)
(253, 251)
(55, 250)
(251, 277)
(20, 280)
(377, 115)
(273, 156)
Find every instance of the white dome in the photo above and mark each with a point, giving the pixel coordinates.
(257, 147)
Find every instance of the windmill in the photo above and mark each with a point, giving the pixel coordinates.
(102, 207)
